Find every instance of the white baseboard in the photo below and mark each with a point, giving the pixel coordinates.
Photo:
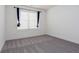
(27, 37)
(63, 38)
(1, 45)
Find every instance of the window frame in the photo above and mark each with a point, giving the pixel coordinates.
(28, 27)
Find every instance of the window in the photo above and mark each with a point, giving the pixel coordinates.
(28, 19)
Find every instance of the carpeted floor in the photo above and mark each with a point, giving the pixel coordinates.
(40, 44)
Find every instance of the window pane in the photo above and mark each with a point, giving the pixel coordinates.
(23, 19)
(33, 20)
(28, 19)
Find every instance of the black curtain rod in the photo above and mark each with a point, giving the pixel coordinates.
(27, 9)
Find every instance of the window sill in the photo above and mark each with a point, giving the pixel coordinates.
(28, 29)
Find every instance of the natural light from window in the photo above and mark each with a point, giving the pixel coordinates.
(28, 19)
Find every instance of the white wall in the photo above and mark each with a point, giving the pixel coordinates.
(2, 26)
(63, 22)
(11, 28)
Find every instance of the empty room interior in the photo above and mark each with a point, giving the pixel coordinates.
(39, 28)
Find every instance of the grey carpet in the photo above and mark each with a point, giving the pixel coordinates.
(40, 44)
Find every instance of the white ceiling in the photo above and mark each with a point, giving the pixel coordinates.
(45, 7)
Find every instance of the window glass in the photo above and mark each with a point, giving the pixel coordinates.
(28, 19)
